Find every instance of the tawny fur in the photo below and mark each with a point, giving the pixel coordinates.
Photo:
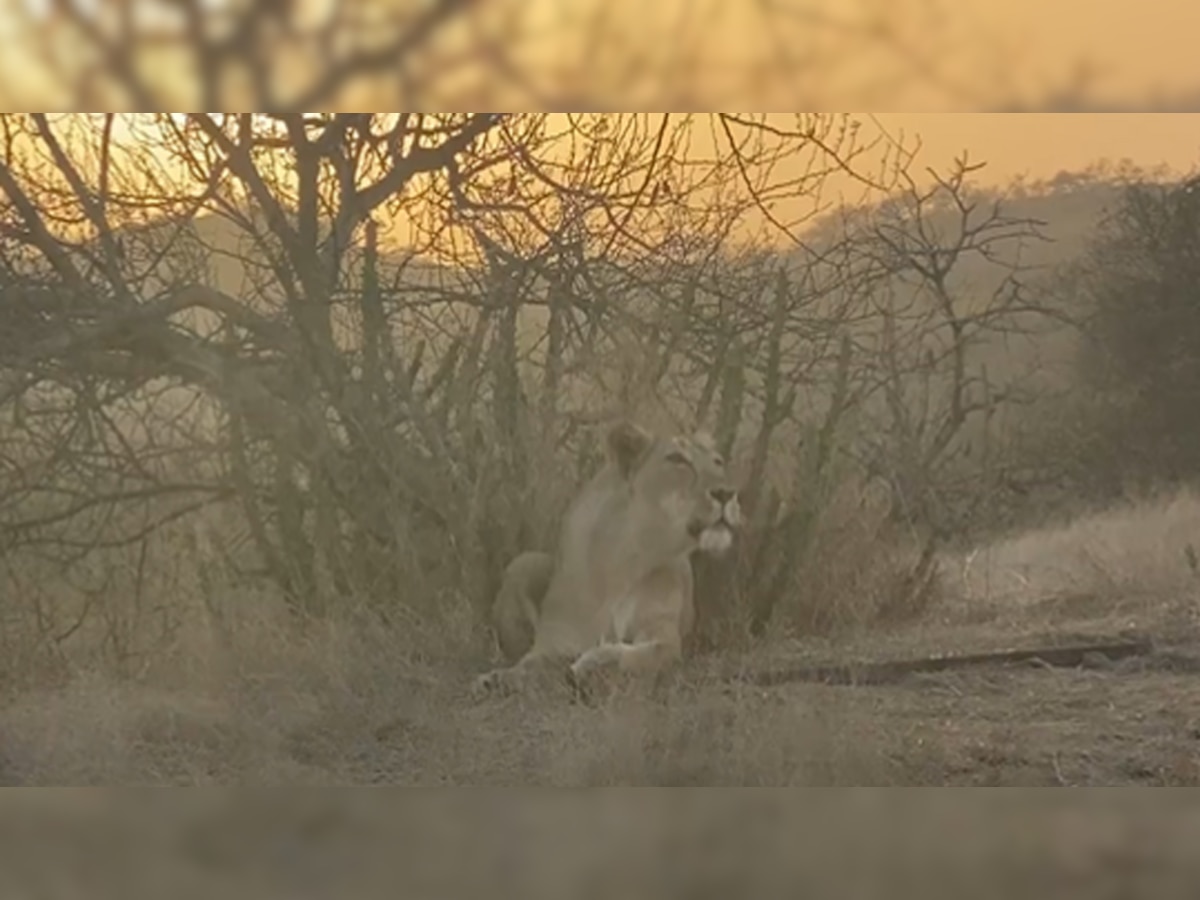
(618, 592)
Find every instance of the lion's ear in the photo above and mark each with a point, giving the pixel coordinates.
(627, 443)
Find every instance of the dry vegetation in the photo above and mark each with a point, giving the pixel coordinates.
(243, 694)
(261, 467)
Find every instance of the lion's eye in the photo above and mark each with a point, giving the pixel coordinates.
(677, 457)
(718, 461)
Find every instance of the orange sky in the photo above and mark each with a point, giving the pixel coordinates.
(837, 53)
(1040, 145)
(1012, 145)
(1135, 47)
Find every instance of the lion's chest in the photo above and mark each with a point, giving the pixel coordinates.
(646, 606)
(622, 619)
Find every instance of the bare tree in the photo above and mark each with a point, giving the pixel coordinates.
(953, 286)
(293, 191)
(381, 336)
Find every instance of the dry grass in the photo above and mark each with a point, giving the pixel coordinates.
(858, 571)
(1138, 559)
(238, 694)
(353, 705)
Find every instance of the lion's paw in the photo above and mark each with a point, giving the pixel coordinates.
(578, 684)
(491, 684)
(589, 674)
(499, 682)
(581, 670)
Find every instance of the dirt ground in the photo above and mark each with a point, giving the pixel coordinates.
(1032, 727)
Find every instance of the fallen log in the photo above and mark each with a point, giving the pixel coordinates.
(892, 671)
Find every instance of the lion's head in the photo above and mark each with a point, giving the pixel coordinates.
(681, 491)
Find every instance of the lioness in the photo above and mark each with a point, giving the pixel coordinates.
(620, 593)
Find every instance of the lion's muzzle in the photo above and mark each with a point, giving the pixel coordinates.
(717, 536)
(731, 511)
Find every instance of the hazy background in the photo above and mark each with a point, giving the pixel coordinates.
(928, 55)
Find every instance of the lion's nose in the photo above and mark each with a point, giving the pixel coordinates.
(721, 495)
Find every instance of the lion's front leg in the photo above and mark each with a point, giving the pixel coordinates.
(531, 671)
(639, 657)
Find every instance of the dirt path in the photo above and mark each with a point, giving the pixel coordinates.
(1029, 726)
